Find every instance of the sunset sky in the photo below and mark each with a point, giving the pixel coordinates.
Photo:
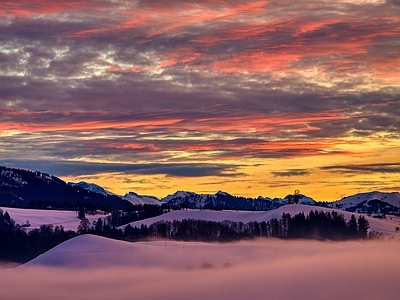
(249, 97)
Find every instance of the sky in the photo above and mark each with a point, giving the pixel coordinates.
(249, 97)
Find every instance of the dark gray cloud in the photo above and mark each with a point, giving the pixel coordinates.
(291, 172)
(364, 168)
(393, 2)
(64, 168)
(68, 57)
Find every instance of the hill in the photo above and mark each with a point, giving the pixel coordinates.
(38, 217)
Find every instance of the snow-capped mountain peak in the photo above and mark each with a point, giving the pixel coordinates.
(141, 199)
(13, 178)
(369, 202)
(178, 194)
(222, 193)
(303, 199)
(92, 187)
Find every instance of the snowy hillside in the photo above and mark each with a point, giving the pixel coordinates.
(70, 221)
(37, 217)
(386, 226)
(89, 251)
(372, 200)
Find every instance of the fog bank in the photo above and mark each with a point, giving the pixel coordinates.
(269, 269)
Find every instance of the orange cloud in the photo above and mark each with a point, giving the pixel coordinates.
(118, 69)
(44, 7)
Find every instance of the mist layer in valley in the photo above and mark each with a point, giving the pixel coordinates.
(99, 268)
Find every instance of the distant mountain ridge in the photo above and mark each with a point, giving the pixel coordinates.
(223, 200)
(24, 188)
(371, 202)
(92, 187)
(140, 199)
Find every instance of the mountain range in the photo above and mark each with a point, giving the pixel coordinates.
(33, 189)
(371, 202)
(26, 188)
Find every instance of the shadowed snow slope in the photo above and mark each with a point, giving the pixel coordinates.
(387, 227)
(87, 251)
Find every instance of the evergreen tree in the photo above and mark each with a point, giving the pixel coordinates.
(84, 226)
(99, 225)
(81, 213)
(363, 226)
(352, 228)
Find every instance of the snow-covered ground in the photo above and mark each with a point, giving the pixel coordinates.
(91, 267)
(70, 221)
(37, 217)
(387, 227)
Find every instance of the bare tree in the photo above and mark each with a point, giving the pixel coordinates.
(84, 226)
(296, 196)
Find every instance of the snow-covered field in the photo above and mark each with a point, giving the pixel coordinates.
(37, 217)
(386, 226)
(91, 267)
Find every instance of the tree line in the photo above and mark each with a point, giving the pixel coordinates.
(316, 225)
(20, 245)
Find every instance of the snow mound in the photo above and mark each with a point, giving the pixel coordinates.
(90, 251)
